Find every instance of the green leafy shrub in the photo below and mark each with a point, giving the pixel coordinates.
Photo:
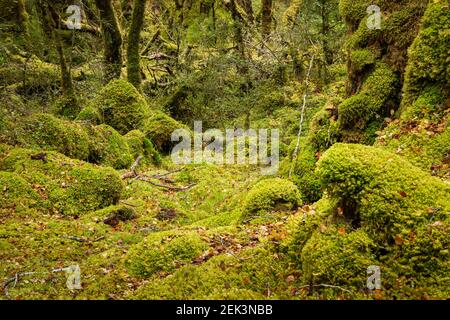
(121, 106)
(164, 252)
(271, 194)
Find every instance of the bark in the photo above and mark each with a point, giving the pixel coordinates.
(134, 37)
(266, 18)
(112, 39)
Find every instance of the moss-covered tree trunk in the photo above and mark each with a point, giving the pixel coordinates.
(134, 36)
(266, 17)
(248, 8)
(112, 39)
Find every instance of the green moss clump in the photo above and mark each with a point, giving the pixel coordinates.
(364, 110)
(362, 58)
(108, 147)
(67, 186)
(89, 114)
(115, 213)
(47, 132)
(271, 194)
(121, 106)
(338, 259)
(140, 145)
(428, 55)
(164, 252)
(158, 128)
(16, 193)
(353, 11)
(380, 191)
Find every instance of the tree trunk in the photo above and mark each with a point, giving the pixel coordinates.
(248, 8)
(134, 36)
(112, 39)
(266, 17)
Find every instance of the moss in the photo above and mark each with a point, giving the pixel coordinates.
(121, 106)
(158, 128)
(16, 194)
(339, 259)
(271, 194)
(353, 11)
(67, 186)
(371, 104)
(140, 145)
(108, 147)
(89, 114)
(362, 58)
(380, 191)
(164, 252)
(113, 214)
(428, 55)
(50, 133)
(429, 105)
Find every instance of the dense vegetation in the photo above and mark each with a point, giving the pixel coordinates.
(87, 177)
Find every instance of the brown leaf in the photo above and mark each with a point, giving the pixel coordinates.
(398, 240)
(403, 194)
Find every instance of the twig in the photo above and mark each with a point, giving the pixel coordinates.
(133, 172)
(295, 154)
(82, 239)
(323, 285)
(146, 179)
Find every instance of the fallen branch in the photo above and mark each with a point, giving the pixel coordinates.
(132, 173)
(324, 285)
(82, 239)
(173, 188)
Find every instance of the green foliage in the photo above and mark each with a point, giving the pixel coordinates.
(164, 252)
(271, 194)
(67, 186)
(380, 191)
(121, 106)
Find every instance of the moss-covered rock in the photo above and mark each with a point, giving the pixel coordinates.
(380, 191)
(67, 186)
(89, 114)
(337, 258)
(16, 193)
(159, 128)
(114, 214)
(108, 147)
(164, 252)
(271, 194)
(121, 106)
(139, 144)
(45, 131)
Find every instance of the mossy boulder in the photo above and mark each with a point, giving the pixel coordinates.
(114, 214)
(139, 144)
(337, 258)
(108, 147)
(16, 193)
(164, 252)
(90, 114)
(45, 131)
(159, 128)
(380, 191)
(121, 106)
(271, 194)
(67, 186)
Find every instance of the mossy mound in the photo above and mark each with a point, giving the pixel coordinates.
(67, 186)
(16, 193)
(164, 252)
(121, 106)
(338, 258)
(108, 147)
(89, 114)
(140, 145)
(114, 214)
(369, 107)
(380, 191)
(45, 131)
(159, 128)
(271, 194)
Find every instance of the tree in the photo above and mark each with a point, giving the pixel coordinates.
(266, 17)
(134, 37)
(112, 39)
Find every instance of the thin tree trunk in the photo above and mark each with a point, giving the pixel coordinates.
(112, 39)
(266, 18)
(134, 37)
